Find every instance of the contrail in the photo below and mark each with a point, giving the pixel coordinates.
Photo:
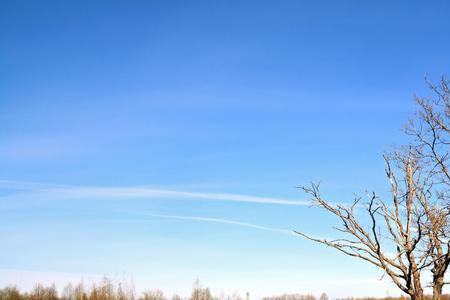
(208, 219)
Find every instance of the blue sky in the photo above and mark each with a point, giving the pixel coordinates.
(164, 140)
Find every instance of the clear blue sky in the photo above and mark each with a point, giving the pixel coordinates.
(164, 140)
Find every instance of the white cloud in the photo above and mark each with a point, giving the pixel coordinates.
(64, 192)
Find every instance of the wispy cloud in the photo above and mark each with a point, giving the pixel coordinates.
(63, 192)
(210, 220)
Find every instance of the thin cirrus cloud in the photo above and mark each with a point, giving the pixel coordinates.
(65, 192)
(209, 220)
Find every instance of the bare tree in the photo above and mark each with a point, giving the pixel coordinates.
(323, 296)
(11, 293)
(431, 132)
(430, 129)
(153, 295)
(405, 234)
(199, 293)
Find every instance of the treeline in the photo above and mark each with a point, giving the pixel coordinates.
(106, 289)
(426, 297)
(325, 297)
(296, 297)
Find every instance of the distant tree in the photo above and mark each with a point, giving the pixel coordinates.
(67, 292)
(408, 233)
(291, 297)
(176, 297)
(153, 295)
(93, 294)
(79, 293)
(105, 289)
(324, 296)
(51, 293)
(38, 292)
(199, 293)
(121, 295)
(11, 293)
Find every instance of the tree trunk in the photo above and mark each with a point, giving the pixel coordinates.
(417, 296)
(437, 287)
(417, 285)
